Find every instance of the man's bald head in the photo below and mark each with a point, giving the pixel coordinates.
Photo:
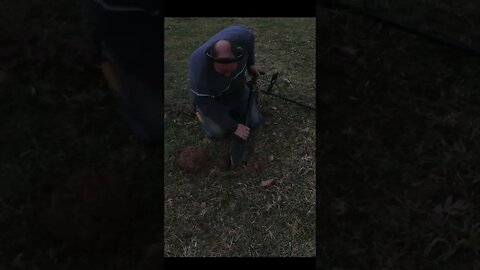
(223, 49)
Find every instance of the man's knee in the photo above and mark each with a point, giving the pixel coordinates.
(213, 131)
(210, 127)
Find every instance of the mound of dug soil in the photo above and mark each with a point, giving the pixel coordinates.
(90, 210)
(192, 158)
(255, 165)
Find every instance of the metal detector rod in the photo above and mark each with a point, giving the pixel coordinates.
(272, 82)
(449, 42)
(289, 100)
(251, 97)
(269, 92)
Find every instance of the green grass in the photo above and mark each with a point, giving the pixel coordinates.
(58, 118)
(227, 213)
(402, 142)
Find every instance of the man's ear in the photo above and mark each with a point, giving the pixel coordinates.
(238, 51)
(210, 53)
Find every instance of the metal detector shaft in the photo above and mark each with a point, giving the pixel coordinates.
(269, 92)
(446, 41)
(240, 147)
(289, 100)
(251, 96)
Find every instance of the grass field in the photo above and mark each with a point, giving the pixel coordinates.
(227, 213)
(59, 122)
(399, 159)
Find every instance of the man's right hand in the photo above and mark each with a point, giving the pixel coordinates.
(242, 131)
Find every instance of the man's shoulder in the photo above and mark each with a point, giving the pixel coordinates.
(198, 56)
(239, 27)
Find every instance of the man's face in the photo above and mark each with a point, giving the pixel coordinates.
(223, 49)
(226, 69)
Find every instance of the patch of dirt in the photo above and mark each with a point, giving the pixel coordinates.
(192, 158)
(90, 210)
(176, 110)
(266, 183)
(255, 165)
(195, 159)
(223, 163)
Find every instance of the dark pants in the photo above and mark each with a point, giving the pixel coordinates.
(131, 42)
(238, 111)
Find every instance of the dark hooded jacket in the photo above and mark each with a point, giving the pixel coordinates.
(212, 92)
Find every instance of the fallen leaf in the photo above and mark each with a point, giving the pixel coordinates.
(213, 171)
(266, 183)
(285, 80)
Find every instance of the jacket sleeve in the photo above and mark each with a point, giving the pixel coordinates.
(250, 43)
(217, 112)
(207, 105)
(245, 37)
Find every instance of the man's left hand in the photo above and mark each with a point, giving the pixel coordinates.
(254, 70)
